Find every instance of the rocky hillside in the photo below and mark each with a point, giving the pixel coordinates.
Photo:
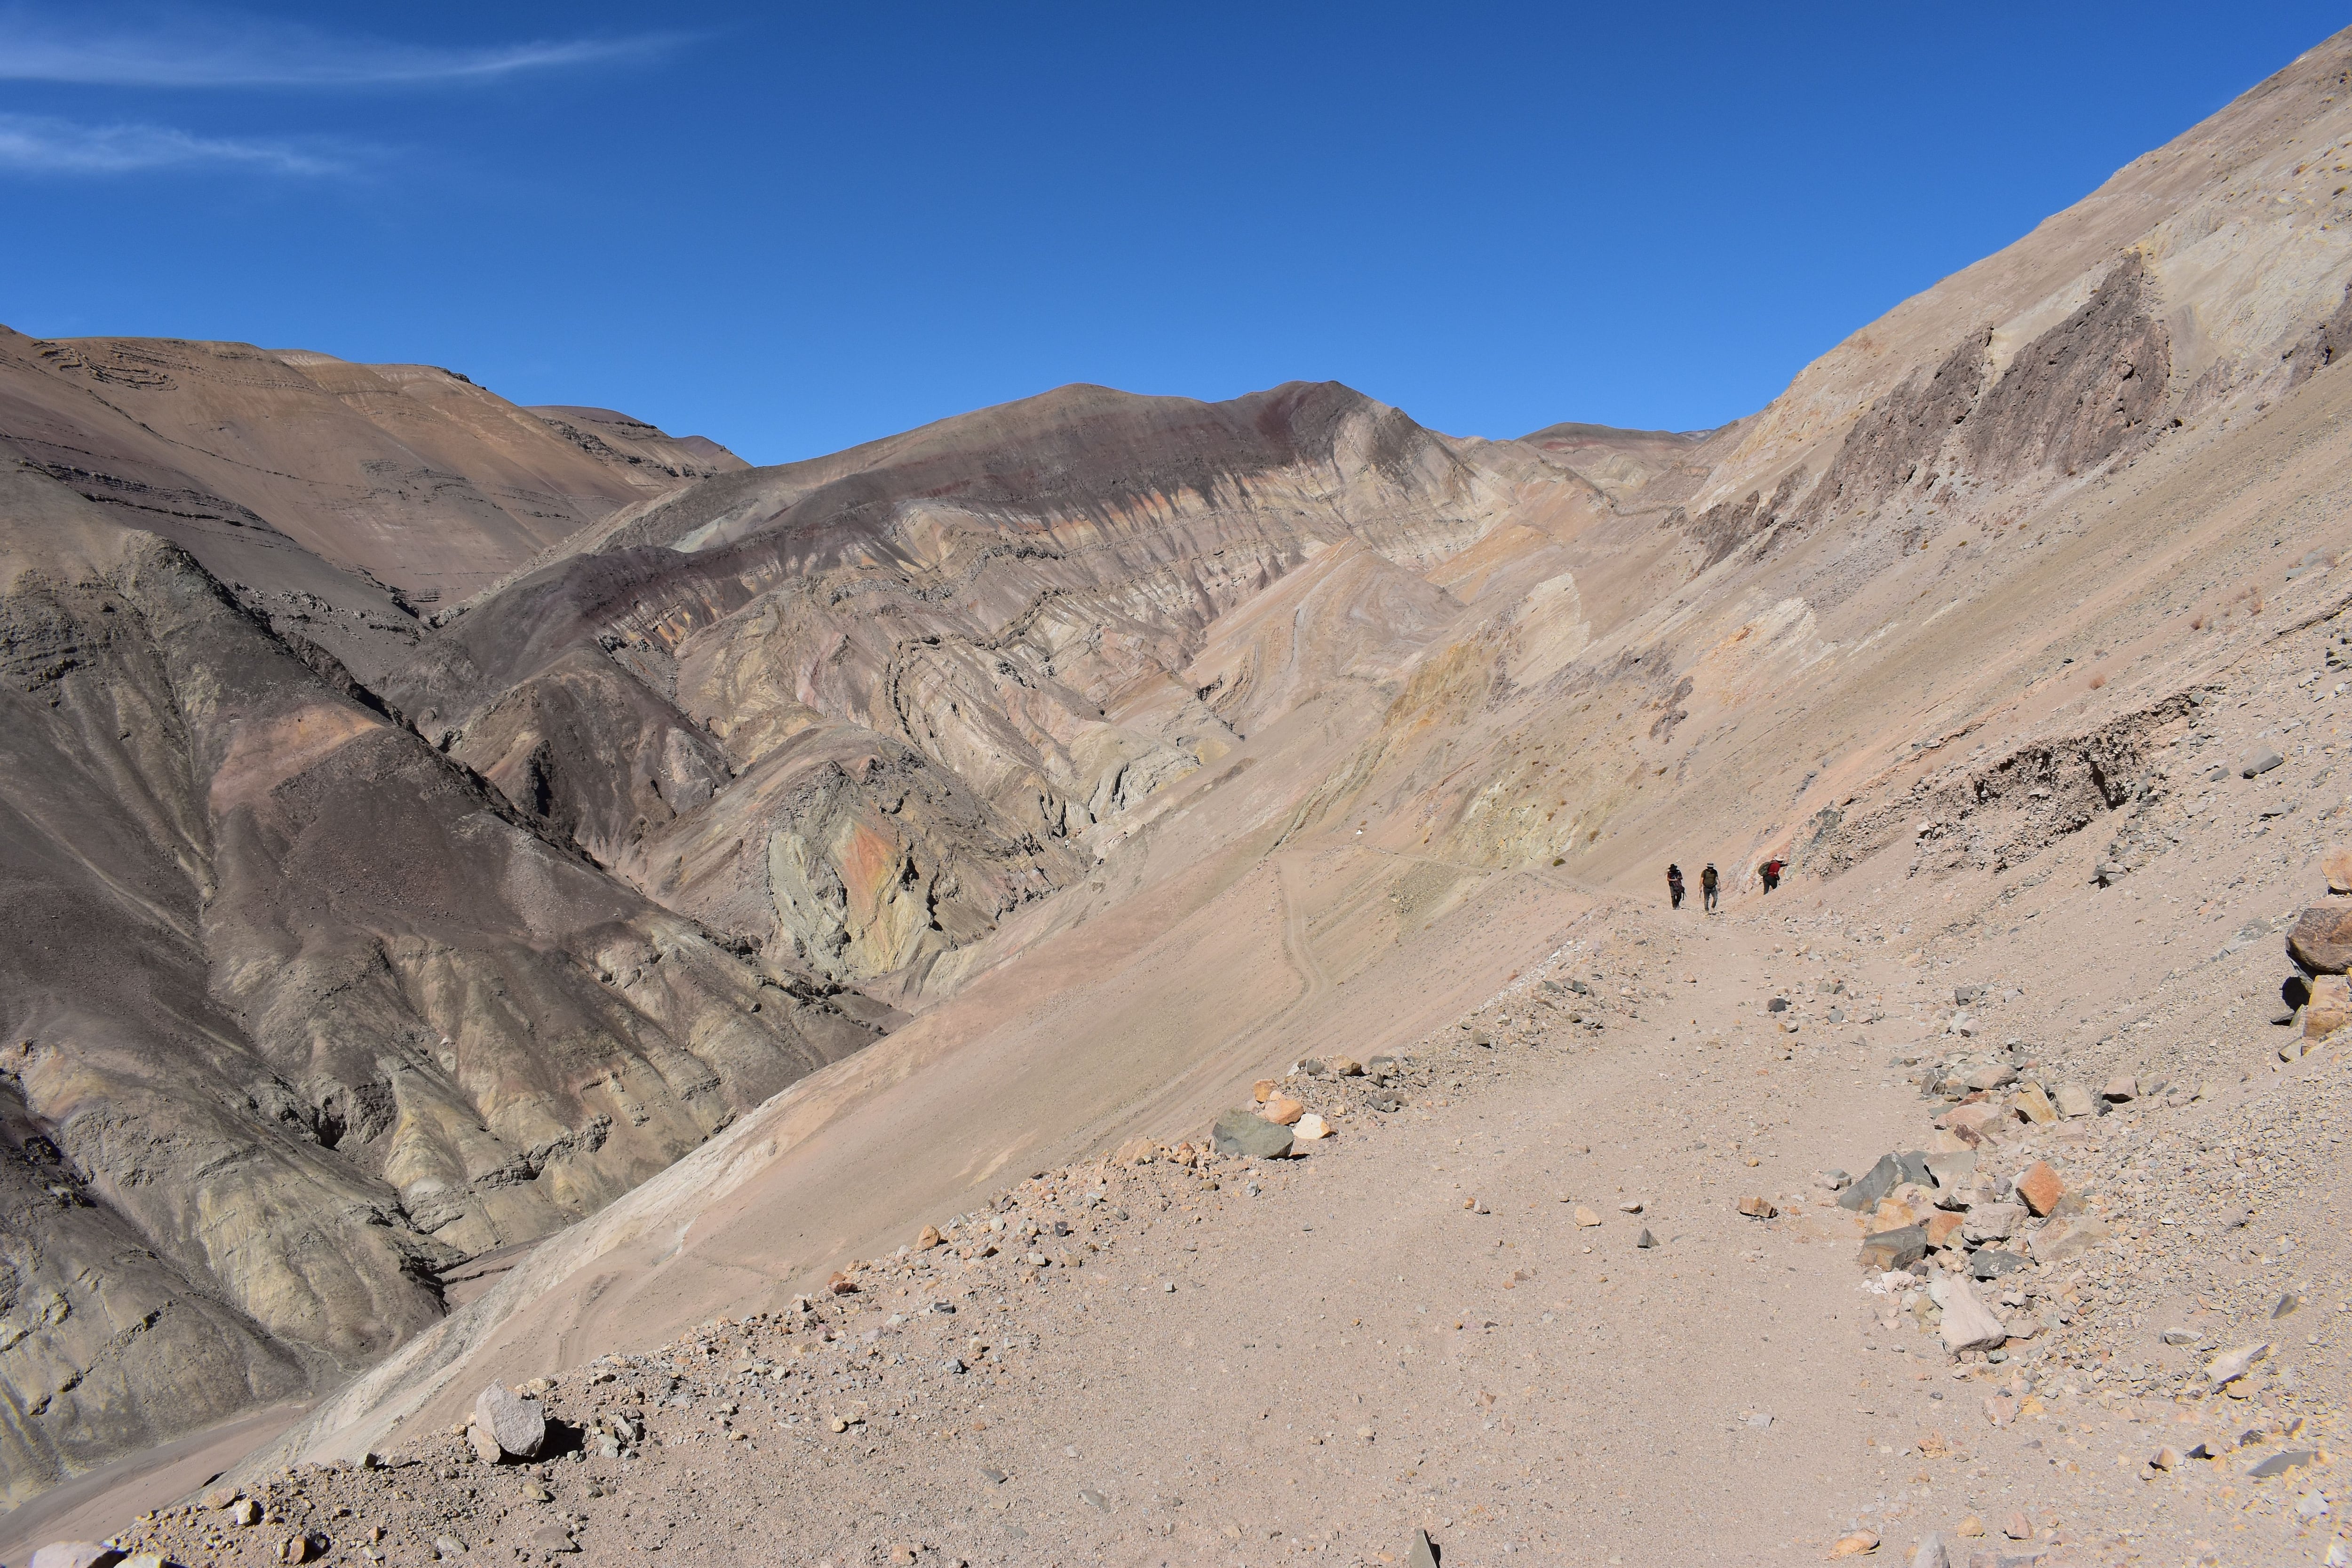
(1932, 610)
(1108, 750)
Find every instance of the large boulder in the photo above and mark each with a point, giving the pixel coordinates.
(516, 1424)
(2322, 939)
(1246, 1133)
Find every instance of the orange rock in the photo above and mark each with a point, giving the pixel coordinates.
(1888, 1215)
(1263, 1090)
(842, 1284)
(927, 1240)
(2041, 1189)
(1942, 1227)
(2335, 863)
(1860, 1543)
(1764, 1208)
(2330, 1008)
(1283, 1110)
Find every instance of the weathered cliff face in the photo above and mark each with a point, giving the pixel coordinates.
(298, 1012)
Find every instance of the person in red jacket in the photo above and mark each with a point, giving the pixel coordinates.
(1771, 873)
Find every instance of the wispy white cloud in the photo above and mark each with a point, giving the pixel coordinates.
(181, 48)
(34, 145)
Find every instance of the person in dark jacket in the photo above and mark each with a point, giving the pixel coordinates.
(1675, 885)
(1706, 884)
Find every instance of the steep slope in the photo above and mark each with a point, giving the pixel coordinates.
(299, 1013)
(2031, 517)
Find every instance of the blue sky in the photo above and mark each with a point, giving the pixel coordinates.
(795, 228)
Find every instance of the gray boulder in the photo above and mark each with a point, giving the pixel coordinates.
(1246, 1133)
(516, 1424)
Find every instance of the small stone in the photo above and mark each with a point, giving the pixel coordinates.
(1310, 1128)
(2281, 1463)
(1629, 1207)
(245, 1512)
(2232, 1364)
(1283, 1110)
(2285, 1304)
(301, 1548)
(1992, 1262)
(1263, 1089)
(1985, 1077)
(484, 1444)
(2179, 1336)
(1344, 1067)
(994, 1478)
(1952, 1169)
(2063, 1239)
(446, 1546)
(2120, 1089)
(2041, 1189)
(839, 1424)
(1943, 1228)
(1585, 1217)
(2335, 864)
(2260, 758)
(841, 1283)
(2034, 1105)
(1093, 1500)
(2165, 1459)
(1993, 1222)
(1860, 1543)
(1970, 1528)
(219, 1497)
(2329, 1007)
(2000, 1409)
(1930, 1554)
(518, 1425)
(1831, 1181)
(1968, 1324)
(2074, 1101)
(1646, 1240)
(2017, 1527)
(552, 1536)
(2309, 1506)
(76, 1554)
(1242, 1132)
(926, 1238)
(1758, 1208)
(1863, 1194)
(903, 1555)
(535, 1490)
(1891, 1249)
(1980, 1122)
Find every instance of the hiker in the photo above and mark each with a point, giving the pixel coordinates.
(1771, 872)
(1706, 880)
(1674, 884)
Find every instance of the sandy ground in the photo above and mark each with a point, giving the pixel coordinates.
(1409, 1328)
